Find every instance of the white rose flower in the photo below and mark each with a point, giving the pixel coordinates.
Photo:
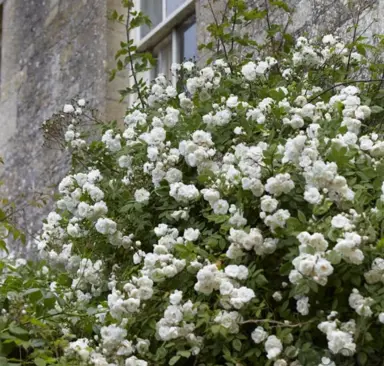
(220, 207)
(268, 204)
(259, 335)
(313, 196)
(381, 318)
(302, 305)
(142, 196)
(273, 347)
(191, 234)
(277, 296)
(68, 108)
(341, 222)
(249, 71)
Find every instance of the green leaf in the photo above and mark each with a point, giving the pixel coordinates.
(217, 219)
(34, 294)
(301, 217)
(236, 344)
(39, 362)
(376, 109)
(322, 208)
(286, 268)
(185, 354)
(362, 358)
(3, 246)
(16, 330)
(174, 360)
(356, 280)
(281, 4)
(313, 286)
(334, 257)
(261, 280)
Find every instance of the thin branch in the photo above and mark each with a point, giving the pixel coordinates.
(220, 38)
(353, 44)
(345, 83)
(275, 322)
(267, 15)
(225, 11)
(282, 36)
(233, 30)
(269, 25)
(131, 63)
(381, 81)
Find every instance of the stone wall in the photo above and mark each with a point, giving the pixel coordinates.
(53, 50)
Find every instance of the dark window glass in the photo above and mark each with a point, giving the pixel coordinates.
(172, 5)
(188, 42)
(163, 55)
(153, 9)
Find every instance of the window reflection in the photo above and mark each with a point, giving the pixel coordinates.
(172, 5)
(154, 10)
(163, 54)
(189, 44)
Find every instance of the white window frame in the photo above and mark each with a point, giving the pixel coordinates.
(167, 26)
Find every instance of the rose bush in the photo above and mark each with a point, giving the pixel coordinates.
(235, 220)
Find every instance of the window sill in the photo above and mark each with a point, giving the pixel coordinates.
(165, 27)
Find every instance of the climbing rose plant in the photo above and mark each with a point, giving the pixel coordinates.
(235, 220)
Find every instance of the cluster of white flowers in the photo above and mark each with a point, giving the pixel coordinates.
(208, 78)
(376, 273)
(252, 70)
(81, 348)
(241, 240)
(279, 184)
(112, 142)
(161, 91)
(210, 278)
(219, 206)
(360, 303)
(311, 262)
(177, 322)
(229, 320)
(72, 136)
(184, 192)
(323, 176)
(348, 248)
(198, 151)
(123, 303)
(114, 346)
(340, 336)
(88, 273)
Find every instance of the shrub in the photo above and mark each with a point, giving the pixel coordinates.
(235, 220)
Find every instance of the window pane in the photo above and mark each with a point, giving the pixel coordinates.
(172, 5)
(165, 61)
(163, 54)
(189, 43)
(154, 10)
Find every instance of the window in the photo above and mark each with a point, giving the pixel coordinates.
(158, 11)
(153, 9)
(188, 42)
(172, 36)
(163, 55)
(172, 5)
